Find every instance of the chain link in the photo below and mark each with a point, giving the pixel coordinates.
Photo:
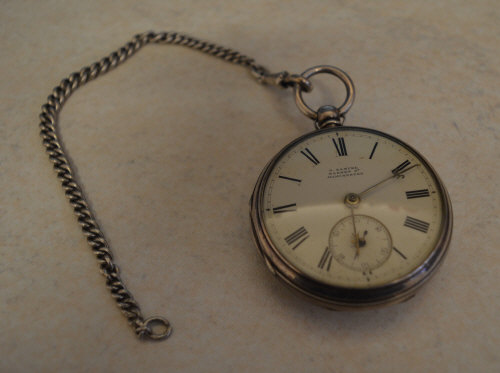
(48, 123)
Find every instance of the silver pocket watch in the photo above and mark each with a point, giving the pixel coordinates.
(350, 217)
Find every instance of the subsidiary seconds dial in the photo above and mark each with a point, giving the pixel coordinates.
(361, 243)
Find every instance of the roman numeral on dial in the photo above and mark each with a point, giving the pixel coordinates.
(373, 150)
(307, 153)
(401, 167)
(417, 193)
(326, 260)
(416, 224)
(341, 149)
(297, 237)
(400, 253)
(289, 178)
(285, 208)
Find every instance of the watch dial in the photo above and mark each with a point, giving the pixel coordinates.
(352, 207)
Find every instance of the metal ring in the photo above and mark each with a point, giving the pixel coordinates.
(162, 322)
(349, 86)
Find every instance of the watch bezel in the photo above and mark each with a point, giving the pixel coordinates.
(338, 297)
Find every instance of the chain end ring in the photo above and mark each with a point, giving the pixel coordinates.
(146, 330)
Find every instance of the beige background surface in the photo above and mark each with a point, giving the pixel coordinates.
(168, 147)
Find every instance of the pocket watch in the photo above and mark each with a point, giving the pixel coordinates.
(350, 217)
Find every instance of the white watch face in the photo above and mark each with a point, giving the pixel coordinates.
(352, 207)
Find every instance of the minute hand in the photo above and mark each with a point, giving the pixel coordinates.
(394, 175)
